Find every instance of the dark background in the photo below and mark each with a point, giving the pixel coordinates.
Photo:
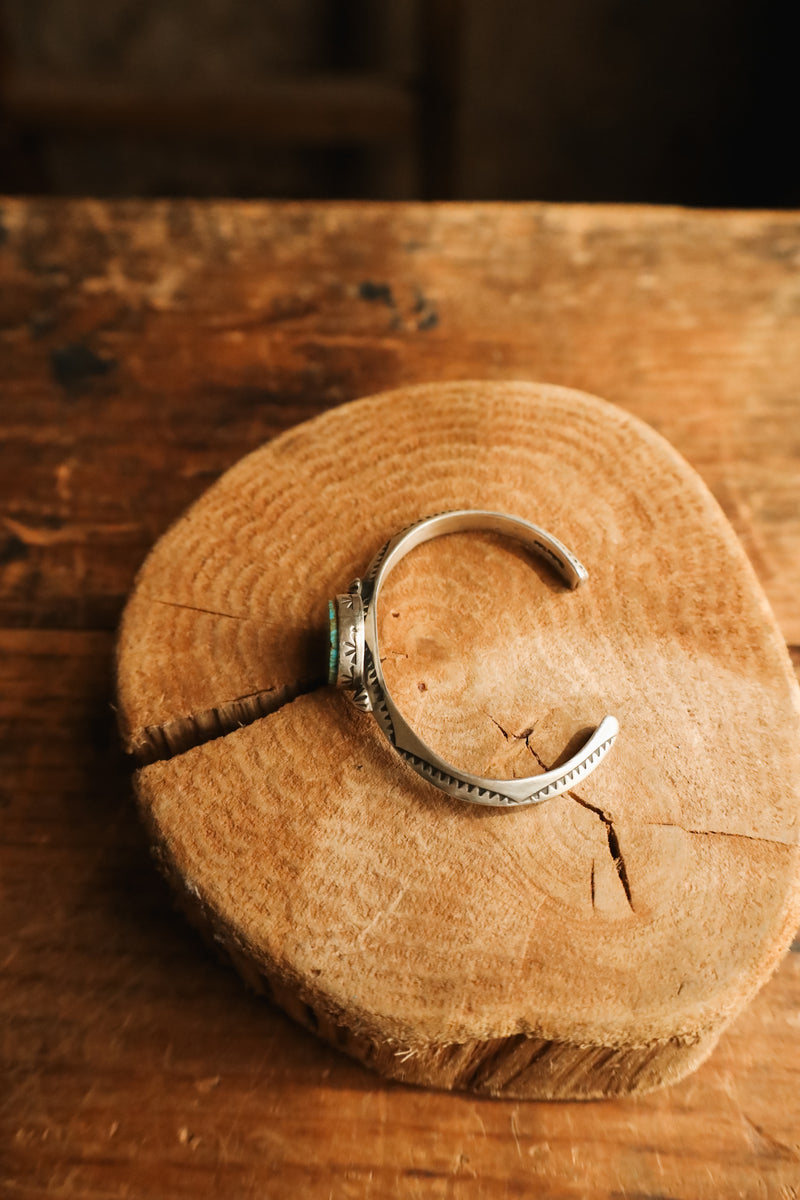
(691, 102)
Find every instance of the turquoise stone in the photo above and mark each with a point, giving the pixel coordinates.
(333, 652)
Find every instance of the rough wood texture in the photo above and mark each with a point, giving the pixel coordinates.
(143, 350)
(595, 945)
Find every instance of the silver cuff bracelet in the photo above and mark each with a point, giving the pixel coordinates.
(355, 664)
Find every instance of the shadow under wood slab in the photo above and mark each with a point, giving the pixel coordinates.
(593, 945)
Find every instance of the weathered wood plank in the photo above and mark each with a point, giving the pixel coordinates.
(144, 348)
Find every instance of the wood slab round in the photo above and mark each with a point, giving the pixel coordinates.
(595, 944)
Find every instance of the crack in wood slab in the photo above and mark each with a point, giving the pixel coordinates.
(212, 612)
(766, 1143)
(614, 849)
(726, 833)
(168, 740)
(618, 859)
(612, 836)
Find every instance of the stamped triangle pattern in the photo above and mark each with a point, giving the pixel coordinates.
(482, 795)
(575, 774)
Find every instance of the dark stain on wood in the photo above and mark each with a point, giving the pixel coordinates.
(376, 293)
(429, 321)
(42, 323)
(428, 317)
(12, 549)
(75, 364)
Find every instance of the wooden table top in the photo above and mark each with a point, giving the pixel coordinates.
(144, 347)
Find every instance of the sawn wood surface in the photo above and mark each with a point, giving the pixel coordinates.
(591, 946)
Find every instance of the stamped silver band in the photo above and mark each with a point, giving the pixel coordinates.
(355, 663)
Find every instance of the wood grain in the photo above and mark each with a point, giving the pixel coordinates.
(143, 350)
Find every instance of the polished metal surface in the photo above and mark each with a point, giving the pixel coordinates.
(356, 665)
